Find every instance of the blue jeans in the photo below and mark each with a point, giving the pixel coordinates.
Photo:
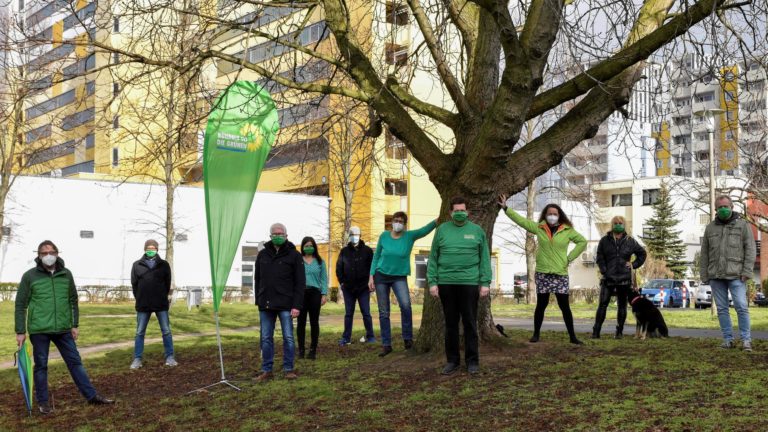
(400, 287)
(364, 299)
(267, 320)
(68, 350)
(720, 288)
(142, 319)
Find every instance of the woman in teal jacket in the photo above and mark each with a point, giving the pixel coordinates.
(554, 233)
(315, 296)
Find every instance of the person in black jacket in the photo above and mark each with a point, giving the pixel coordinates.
(614, 258)
(353, 268)
(279, 282)
(151, 283)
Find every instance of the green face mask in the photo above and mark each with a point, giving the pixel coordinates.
(278, 240)
(459, 216)
(724, 213)
(309, 250)
(151, 253)
(618, 228)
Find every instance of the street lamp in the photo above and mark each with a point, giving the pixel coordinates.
(709, 116)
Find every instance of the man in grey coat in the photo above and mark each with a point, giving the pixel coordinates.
(727, 260)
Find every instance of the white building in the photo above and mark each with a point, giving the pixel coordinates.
(100, 228)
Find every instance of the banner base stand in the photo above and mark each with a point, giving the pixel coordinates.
(224, 380)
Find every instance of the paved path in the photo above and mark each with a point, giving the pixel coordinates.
(582, 326)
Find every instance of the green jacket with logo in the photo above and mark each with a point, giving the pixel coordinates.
(552, 255)
(459, 256)
(46, 302)
(727, 249)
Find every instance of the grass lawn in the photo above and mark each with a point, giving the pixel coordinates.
(673, 384)
(677, 317)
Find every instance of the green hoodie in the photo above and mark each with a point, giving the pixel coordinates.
(46, 302)
(459, 256)
(552, 255)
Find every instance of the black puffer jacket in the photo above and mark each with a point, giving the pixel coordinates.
(613, 255)
(151, 286)
(279, 278)
(353, 268)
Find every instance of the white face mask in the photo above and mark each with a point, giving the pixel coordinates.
(552, 219)
(48, 260)
(398, 227)
(354, 239)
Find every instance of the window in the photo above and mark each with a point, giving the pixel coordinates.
(729, 154)
(115, 58)
(729, 76)
(682, 121)
(308, 150)
(647, 232)
(86, 167)
(703, 219)
(729, 96)
(315, 109)
(116, 24)
(397, 13)
(183, 238)
(396, 55)
(90, 141)
(682, 139)
(705, 97)
(682, 102)
(398, 187)
(621, 200)
(86, 234)
(74, 120)
(115, 89)
(21, 8)
(46, 154)
(650, 196)
(115, 122)
(395, 148)
(59, 101)
(731, 115)
(729, 135)
(115, 157)
(38, 133)
(6, 231)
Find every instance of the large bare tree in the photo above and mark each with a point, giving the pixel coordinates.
(488, 57)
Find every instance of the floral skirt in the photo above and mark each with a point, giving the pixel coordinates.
(551, 283)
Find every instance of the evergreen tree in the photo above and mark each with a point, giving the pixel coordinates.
(663, 241)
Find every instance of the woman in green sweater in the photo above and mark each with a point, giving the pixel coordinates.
(315, 296)
(389, 271)
(554, 233)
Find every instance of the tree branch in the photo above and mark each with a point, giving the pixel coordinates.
(449, 80)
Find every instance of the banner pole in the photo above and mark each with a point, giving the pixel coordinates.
(218, 339)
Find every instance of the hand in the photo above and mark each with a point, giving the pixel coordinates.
(20, 338)
(433, 291)
(484, 291)
(744, 278)
(295, 313)
(371, 285)
(503, 201)
(75, 333)
(324, 300)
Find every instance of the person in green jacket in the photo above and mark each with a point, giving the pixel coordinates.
(315, 297)
(459, 272)
(389, 270)
(554, 234)
(46, 308)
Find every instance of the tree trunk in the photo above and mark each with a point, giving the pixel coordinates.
(170, 233)
(432, 330)
(4, 188)
(530, 244)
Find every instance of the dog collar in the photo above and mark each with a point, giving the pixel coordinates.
(635, 299)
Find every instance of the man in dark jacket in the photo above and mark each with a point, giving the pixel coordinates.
(727, 262)
(614, 258)
(280, 281)
(151, 283)
(353, 268)
(48, 292)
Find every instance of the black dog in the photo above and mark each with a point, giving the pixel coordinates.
(649, 319)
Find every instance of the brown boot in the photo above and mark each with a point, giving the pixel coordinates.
(264, 377)
(291, 375)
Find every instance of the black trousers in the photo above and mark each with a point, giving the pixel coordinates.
(312, 302)
(606, 291)
(460, 301)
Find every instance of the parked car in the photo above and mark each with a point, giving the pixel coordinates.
(761, 299)
(704, 297)
(664, 292)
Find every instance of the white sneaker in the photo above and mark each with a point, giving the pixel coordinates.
(136, 363)
(362, 339)
(747, 346)
(171, 362)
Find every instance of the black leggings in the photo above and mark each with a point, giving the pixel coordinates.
(542, 300)
(312, 303)
(606, 291)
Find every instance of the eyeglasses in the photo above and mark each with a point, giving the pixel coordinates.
(276, 235)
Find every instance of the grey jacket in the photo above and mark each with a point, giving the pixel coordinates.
(727, 249)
